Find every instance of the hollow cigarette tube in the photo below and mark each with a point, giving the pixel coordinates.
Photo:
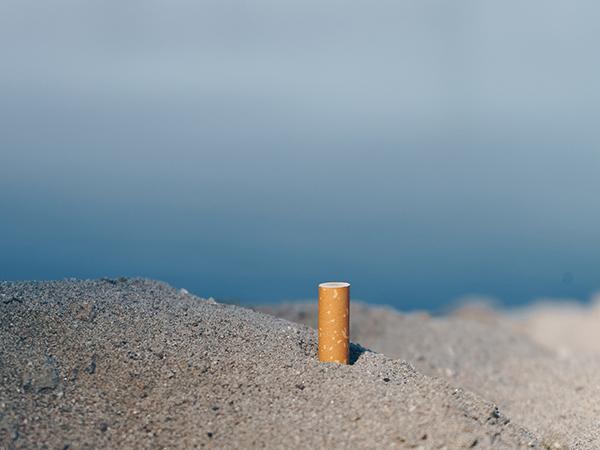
(334, 322)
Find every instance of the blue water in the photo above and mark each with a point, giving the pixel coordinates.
(420, 151)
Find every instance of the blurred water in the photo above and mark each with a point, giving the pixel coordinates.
(248, 150)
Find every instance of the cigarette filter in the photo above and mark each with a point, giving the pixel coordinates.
(334, 322)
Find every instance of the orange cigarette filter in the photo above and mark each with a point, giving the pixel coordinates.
(334, 322)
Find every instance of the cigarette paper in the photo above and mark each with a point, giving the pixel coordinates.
(334, 322)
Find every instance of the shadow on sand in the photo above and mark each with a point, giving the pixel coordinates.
(356, 351)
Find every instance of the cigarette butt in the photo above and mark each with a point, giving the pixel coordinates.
(334, 322)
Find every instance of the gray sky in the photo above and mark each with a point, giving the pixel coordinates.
(453, 143)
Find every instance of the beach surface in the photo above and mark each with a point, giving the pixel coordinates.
(540, 365)
(134, 363)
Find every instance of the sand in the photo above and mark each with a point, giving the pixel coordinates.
(133, 363)
(514, 359)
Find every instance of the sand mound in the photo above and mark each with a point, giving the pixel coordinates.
(553, 394)
(138, 364)
(566, 327)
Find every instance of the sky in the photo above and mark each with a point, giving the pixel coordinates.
(421, 150)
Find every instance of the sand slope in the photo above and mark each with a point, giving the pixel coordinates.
(138, 364)
(553, 394)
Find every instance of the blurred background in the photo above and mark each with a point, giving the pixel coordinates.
(422, 150)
